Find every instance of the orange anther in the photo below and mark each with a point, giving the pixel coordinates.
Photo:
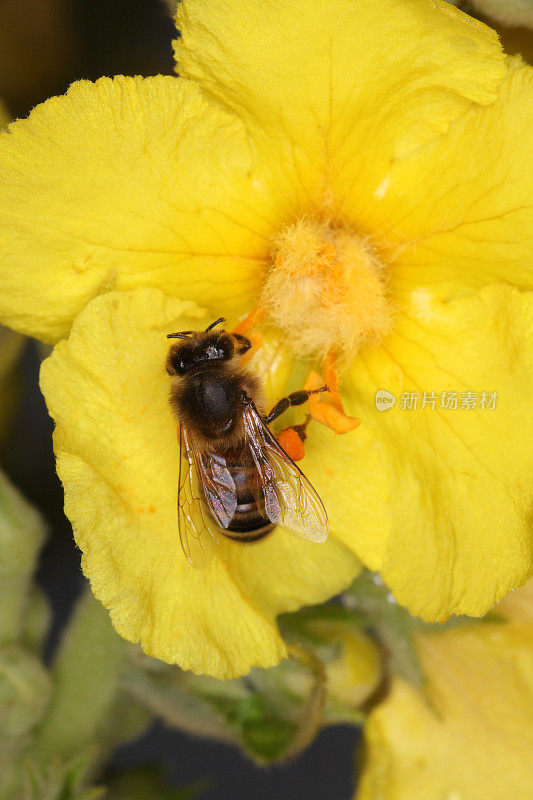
(328, 415)
(331, 379)
(251, 319)
(291, 443)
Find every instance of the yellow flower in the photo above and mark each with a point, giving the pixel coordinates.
(470, 736)
(10, 348)
(361, 171)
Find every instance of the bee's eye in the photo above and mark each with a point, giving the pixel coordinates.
(225, 348)
(219, 348)
(179, 362)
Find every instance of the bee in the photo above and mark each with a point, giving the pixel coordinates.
(234, 479)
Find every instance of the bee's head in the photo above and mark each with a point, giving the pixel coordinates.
(199, 347)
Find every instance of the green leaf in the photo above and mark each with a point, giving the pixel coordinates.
(86, 674)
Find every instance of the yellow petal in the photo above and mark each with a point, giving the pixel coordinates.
(457, 484)
(116, 446)
(335, 91)
(461, 210)
(125, 183)
(353, 475)
(471, 734)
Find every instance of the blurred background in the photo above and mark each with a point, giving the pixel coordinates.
(44, 46)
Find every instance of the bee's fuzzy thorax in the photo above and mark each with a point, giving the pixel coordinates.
(232, 382)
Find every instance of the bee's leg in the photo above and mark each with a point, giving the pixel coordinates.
(293, 399)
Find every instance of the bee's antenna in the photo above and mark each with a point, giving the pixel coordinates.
(180, 335)
(213, 324)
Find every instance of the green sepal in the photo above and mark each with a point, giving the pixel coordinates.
(300, 627)
(261, 712)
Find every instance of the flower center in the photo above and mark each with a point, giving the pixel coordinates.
(326, 290)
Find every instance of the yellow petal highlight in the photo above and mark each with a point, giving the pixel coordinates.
(124, 183)
(459, 481)
(471, 734)
(115, 441)
(334, 91)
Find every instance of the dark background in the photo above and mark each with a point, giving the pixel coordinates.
(54, 44)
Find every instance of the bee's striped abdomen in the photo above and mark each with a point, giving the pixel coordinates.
(249, 524)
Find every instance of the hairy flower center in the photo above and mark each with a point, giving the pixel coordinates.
(326, 290)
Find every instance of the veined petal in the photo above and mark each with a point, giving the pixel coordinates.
(471, 733)
(117, 455)
(124, 183)
(333, 96)
(460, 211)
(460, 481)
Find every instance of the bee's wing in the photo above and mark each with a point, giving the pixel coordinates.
(199, 533)
(288, 497)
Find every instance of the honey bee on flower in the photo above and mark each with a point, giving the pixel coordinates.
(235, 478)
(358, 171)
